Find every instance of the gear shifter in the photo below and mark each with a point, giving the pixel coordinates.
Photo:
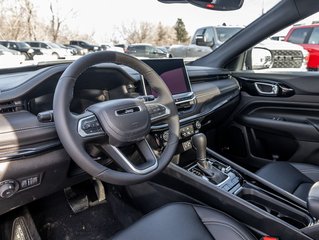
(199, 143)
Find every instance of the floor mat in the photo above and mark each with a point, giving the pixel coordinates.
(55, 220)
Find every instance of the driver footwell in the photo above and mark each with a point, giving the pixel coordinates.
(55, 220)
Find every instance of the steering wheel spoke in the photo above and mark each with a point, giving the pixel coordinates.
(157, 111)
(88, 126)
(118, 156)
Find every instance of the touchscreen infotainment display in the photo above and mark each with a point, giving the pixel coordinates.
(173, 73)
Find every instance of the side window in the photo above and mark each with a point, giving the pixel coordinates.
(299, 35)
(314, 38)
(147, 50)
(139, 49)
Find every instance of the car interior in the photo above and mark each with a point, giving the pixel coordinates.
(113, 147)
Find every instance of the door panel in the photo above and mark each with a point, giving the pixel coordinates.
(282, 126)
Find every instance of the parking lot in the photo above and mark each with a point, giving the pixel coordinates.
(12, 61)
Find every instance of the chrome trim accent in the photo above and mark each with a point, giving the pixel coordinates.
(274, 88)
(25, 152)
(127, 108)
(131, 166)
(189, 94)
(143, 85)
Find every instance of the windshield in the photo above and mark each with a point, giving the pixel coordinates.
(174, 28)
(53, 45)
(224, 33)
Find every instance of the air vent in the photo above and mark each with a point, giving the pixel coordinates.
(210, 78)
(11, 106)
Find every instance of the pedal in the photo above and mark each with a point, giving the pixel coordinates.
(100, 192)
(78, 202)
(82, 196)
(23, 228)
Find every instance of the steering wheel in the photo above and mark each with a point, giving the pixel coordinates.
(115, 123)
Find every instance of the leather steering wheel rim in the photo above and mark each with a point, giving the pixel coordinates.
(67, 122)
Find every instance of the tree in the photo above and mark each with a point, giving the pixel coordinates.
(31, 15)
(161, 34)
(57, 20)
(180, 31)
(137, 33)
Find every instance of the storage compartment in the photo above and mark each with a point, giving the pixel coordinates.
(277, 208)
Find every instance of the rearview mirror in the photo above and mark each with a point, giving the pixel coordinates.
(220, 5)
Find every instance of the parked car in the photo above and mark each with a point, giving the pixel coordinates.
(83, 44)
(121, 45)
(10, 58)
(50, 49)
(111, 47)
(142, 50)
(5, 50)
(71, 50)
(22, 47)
(77, 49)
(307, 36)
(206, 39)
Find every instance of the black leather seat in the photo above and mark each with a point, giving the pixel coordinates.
(296, 178)
(182, 221)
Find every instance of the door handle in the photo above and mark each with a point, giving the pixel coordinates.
(268, 89)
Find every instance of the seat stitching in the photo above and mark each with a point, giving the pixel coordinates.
(210, 222)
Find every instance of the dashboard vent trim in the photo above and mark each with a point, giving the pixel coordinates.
(209, 78)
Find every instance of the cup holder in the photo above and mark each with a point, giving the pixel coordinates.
(276, 208)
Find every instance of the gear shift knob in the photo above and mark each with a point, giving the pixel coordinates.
(199, 143)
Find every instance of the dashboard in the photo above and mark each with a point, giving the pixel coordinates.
(32, 161)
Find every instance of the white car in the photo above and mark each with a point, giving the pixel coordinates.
(51, 49)
(111, 47)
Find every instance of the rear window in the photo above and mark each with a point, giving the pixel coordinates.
(314, 38)
(299, 35)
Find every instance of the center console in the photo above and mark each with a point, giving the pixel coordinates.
(211, 168)
(216, 180)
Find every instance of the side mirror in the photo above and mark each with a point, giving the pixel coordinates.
(200, 40)
(259, 58)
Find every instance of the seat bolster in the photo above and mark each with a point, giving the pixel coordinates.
(309, 170)
(222, 226)
(283, 175)
(302, 191)
(183, 221)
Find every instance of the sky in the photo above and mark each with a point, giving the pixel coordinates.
(105, 17)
